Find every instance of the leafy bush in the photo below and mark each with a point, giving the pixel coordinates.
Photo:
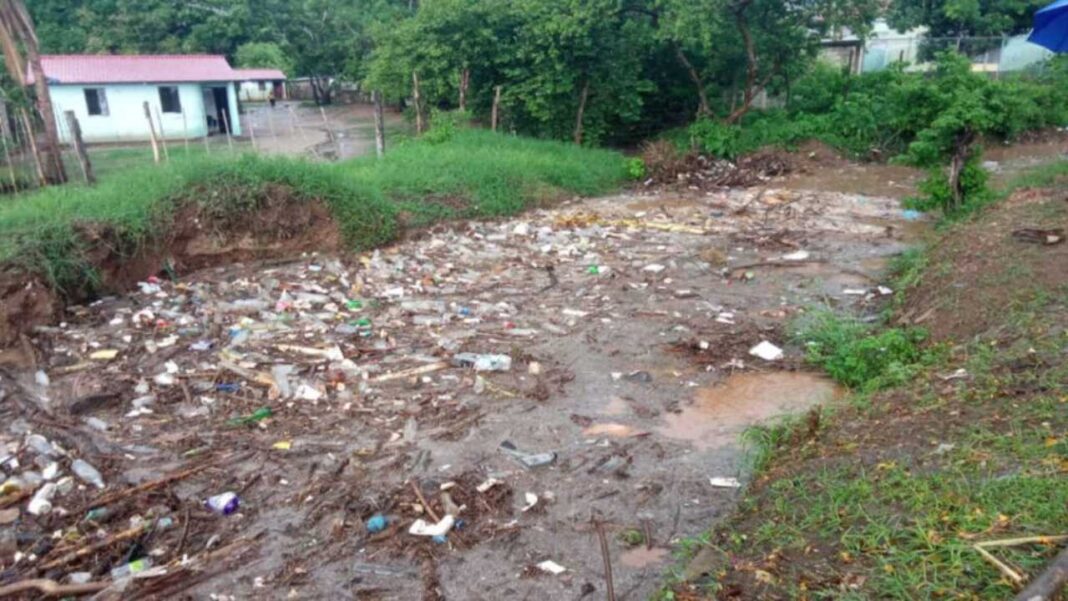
(444, 125)
(856, 355)
(635, 169)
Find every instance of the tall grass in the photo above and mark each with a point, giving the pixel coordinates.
(473, 174)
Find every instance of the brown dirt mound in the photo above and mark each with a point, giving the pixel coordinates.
(197, 238)
(667, 166)
(980, 271)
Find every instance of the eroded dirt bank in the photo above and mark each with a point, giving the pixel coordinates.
(628, 323)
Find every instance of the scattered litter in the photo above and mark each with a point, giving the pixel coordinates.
(801, 255)
(528, 460)
(488, 484)
(377, 523)
(223, 504)
(87, 473)
(551, 567)
(104, 355)
(1048, 237)
(767, 351)
(483, 362)
(725, 482)
(532, 502)
(423, 528)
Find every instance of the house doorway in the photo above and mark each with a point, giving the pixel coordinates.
(223, 117)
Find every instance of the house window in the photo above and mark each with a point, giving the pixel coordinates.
(96, 102)
(263, 86)
(169, 100)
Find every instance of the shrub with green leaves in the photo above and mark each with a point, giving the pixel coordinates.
(857, 355)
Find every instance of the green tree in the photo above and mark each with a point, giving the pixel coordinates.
(263, 55)
(962, 18)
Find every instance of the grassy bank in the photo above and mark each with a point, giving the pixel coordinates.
(473, 174)
(949, 441)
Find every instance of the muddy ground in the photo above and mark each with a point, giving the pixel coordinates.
(628, 321)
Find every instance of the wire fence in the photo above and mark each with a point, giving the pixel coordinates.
(993, 55)
(288, 129)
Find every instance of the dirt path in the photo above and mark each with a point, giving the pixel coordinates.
(628, 321)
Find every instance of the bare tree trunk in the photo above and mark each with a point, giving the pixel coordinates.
(465, 81)
(27, 125)
(18, 29)
(495, 116)
(703, 107)
(79, 147)
(53, 160)
(742, 24)
(380, 125)
(583, 97)
(419, 125)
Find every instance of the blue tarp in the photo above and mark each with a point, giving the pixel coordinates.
(1051, 27)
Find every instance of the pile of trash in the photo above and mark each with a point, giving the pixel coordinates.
(403, 403)
(666, 166)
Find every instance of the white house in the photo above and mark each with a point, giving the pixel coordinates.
(189, 96)
(257, 84)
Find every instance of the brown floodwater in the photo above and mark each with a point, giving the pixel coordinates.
(719, 414)
(640, 557)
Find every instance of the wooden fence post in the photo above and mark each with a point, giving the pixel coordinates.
(163, 136)
(10, 164)
(226, 126)
(27, 125)
(152, 131)
(380, 126)
(79, 147)
(496, 114)
(418, 104)
(465, 81)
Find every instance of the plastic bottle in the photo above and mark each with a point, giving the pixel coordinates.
(41, 503)
(223, 504)
(132, 568)
(483, 362)
(87, 472)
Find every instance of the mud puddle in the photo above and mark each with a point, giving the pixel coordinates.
(721, 413)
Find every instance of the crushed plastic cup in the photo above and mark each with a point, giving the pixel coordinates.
(223, 504)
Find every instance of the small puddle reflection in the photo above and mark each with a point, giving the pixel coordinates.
(719, 414)
(641, 557)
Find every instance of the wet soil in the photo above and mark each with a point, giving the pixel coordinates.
(592, 301)
(721, 413)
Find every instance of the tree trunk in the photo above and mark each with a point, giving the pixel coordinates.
(18, 30)
(465, 81)
(962, 152)
(152, 130)
(583, 97)
(52, 159)
(419, 125)
(749, 93)
(704, 109)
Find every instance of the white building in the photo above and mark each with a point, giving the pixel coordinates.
(189, 96)
(258, 84)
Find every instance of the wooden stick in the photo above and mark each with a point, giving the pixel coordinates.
(252, 133)
(415, 371)
(111, 540)
(1027, 540)
(419, 126)
(226, 127)
(79, 147)
(1004, 569)
(611, 588)
(10, 164)
(185, 133)
(27, 125)
(496, 114)
(380, 126)
(151, 131)
(422, 499)
(50, 588)
(122, 494)
(163, 136)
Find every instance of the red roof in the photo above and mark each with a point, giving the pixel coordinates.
(107, 68)
(259, 74)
